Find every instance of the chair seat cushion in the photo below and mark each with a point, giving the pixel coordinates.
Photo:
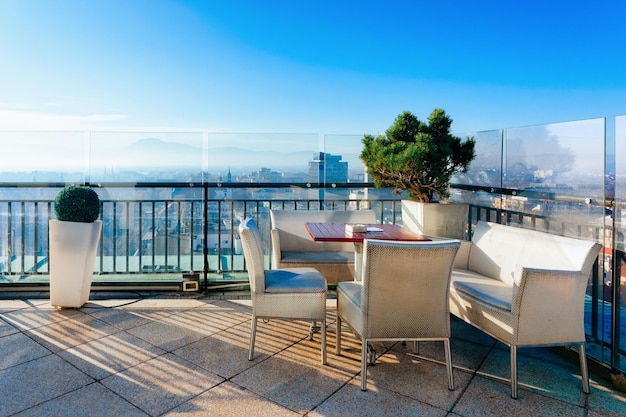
(488, 290)
(352, 291)
(317, 257)
(294, 280)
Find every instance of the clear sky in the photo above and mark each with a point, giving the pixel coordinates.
(319, 66)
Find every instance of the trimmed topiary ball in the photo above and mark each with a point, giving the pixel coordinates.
(76, 203)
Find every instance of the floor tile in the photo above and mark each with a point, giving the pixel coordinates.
(37, 381)
(38, 316)
(291, 382)
(465, 355)
(71, 332)
(18, 348)
(161, 384)
(18, 304)
(561, 382)
(6, 328)
(604, 400)
(417, 378)
(83, 402)
(488, 398)
(350, 400)
(227, 400)
(169, 333)
(224, 353)
(111, 354)
(124, 319)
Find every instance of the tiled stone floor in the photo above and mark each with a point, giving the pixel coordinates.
(187, 356)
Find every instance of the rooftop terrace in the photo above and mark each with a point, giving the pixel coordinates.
(170, 213)
(143, 355)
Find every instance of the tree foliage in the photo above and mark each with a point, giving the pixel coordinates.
(416, 156)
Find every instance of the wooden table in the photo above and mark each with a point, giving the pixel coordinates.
(336, 232)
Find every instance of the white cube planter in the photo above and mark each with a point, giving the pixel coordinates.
(436, 219)
(73, 248)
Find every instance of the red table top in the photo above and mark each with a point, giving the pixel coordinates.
(336, 232)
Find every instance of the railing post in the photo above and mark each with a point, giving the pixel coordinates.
(9, 237)
(205, 233)
(618, 257)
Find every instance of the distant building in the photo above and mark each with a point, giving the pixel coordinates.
(267, 175)
(332, 166)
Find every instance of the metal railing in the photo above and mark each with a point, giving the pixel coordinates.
(146, 237)
(154, 241)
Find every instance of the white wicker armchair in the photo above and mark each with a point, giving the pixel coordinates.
(293, 294)
(403, 295)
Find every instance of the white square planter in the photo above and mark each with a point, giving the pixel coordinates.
(73, 248)
(436, 219)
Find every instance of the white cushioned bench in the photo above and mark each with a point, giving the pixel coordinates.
(524, 288)
(292, 246)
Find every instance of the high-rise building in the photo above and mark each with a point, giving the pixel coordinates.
(334, 169)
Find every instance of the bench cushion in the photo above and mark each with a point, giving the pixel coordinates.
(493, 292)
(352, 290)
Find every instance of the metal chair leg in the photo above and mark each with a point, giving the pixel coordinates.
(323, 329)
(314, 329)
(252, 338)
(446, 348)
(371, 354)
(338, 337)
(364, 352)
(583, 368)
(513, 371)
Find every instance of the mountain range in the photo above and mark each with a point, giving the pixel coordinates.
(154, 152)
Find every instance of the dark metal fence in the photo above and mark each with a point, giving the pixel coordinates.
(152, 240)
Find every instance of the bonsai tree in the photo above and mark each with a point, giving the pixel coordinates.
(416, 156)
(76, 203)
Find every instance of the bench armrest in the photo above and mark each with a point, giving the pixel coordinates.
(276, 252)
(549, 305)
(461, 260)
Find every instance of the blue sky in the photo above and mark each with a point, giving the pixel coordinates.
(321, 67)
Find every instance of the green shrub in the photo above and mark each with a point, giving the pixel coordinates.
(419, 157)
(76, 203)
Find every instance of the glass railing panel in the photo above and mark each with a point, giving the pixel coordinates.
(557, 171)
(238, 163)
(125, 157)
(45, 157)
(24, 217)
(151, 231)
(343, 165)
(618, 182)
(614, 290)
(486, 168)
(262, 158)
(340, 164)
(484, 172)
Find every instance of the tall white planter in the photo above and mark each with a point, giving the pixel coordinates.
(436, 219)
(73, 248)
